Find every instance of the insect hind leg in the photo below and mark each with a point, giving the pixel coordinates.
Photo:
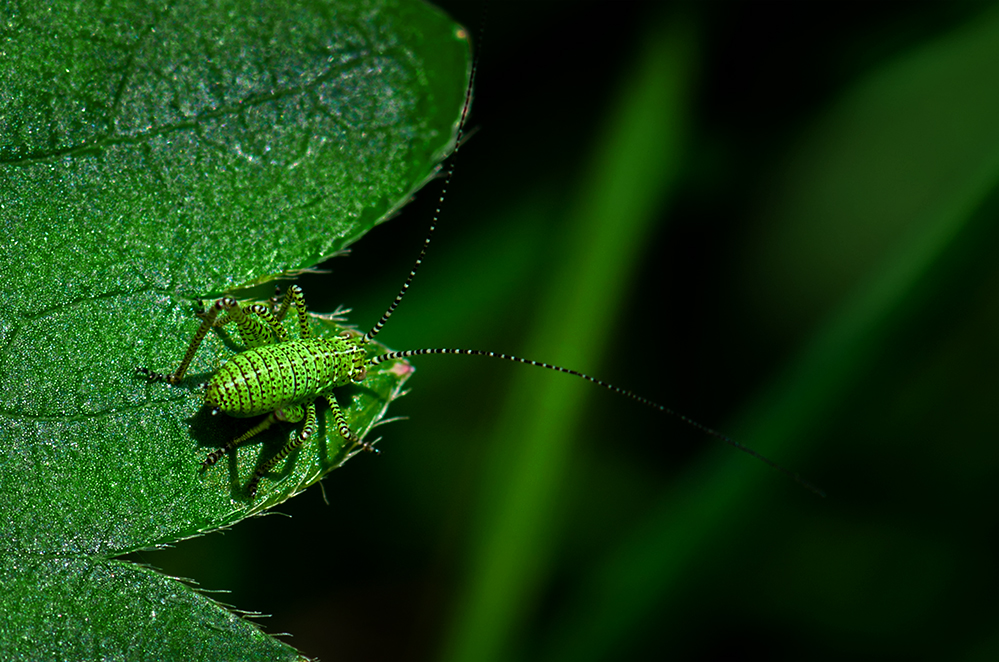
(295, 442)
(256, 328)
(344, 429)
(294, 297)
(217, 455)
(209, 319)
(256, 325)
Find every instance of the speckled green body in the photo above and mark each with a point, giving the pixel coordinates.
(275, 375)
(270, 378)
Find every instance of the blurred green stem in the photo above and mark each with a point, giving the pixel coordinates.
(621, 193)
(953, 231)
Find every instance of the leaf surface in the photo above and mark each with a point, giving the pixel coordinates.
(150, 155)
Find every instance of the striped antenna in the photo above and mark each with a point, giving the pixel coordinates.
(440, 201)
(389, 356)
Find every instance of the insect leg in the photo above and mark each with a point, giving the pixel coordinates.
(343, 428)
(259, 329)
(256, 326)
(208, 320)
(277, 331)
(294, 296)
(307, 431)
(215, 456)
(275, 300)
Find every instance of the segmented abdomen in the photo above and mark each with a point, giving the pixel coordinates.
(265, 379)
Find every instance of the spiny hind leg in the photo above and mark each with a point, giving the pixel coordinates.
(256, 325)
(208, 320)
(292, 414)
(293, 296)
(216, 455)
(255, 330)
(344, 429)
(277, 332)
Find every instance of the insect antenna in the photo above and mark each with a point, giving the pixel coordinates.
(440, 201)
(389, 356)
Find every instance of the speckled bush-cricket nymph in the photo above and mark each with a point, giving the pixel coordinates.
(282, 378)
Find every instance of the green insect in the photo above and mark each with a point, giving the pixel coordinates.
(283, 378)
(276, 376)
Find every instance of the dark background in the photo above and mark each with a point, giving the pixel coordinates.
(745, 269)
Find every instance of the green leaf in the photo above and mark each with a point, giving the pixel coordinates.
(87, 608)
(155, 154)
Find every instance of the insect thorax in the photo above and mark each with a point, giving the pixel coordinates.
(264, 379)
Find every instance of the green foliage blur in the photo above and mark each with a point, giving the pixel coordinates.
(818, 279)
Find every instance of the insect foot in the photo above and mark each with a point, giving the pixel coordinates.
(149, 375)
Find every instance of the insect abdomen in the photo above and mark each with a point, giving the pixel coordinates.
(265, 379)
